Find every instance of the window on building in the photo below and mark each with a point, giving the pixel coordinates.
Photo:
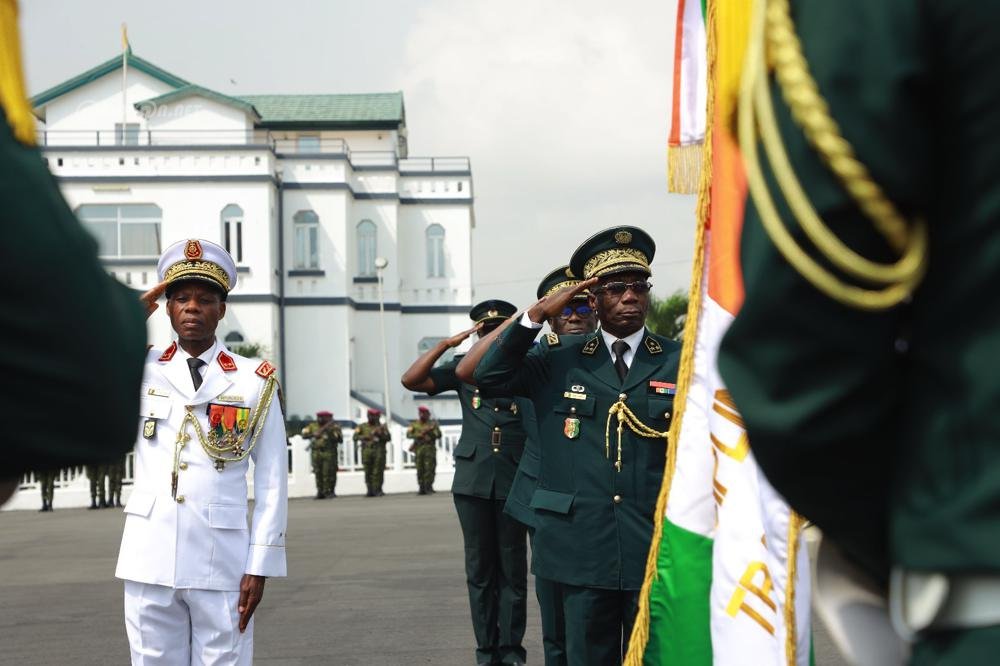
(123, 230)
(435, 251)
(367, 248)
(232, 231)
(128, 137)
(308, 143)
(306, 242)
(234, 336)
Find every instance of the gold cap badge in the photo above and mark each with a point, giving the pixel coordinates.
(623, 237)
(192, 250)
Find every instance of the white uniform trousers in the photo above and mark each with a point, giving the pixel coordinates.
(171, 627)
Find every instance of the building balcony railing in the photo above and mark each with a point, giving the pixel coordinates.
(301, 147)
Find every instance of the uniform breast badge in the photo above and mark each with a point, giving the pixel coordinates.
(477, 400)
(149, 429)
(571, 426)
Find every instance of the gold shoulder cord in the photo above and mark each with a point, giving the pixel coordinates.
(228, 451)
(772, 27)
(626, 417)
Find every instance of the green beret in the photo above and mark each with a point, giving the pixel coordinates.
(614, 250)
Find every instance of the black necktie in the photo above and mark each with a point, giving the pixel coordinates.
(619, 347)
(193, 365)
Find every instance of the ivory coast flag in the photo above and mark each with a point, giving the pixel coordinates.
(727, 580)
(687, 113)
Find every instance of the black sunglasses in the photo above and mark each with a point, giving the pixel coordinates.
(619, 288)
(581, 310)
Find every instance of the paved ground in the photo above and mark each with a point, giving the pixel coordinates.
(373, 582)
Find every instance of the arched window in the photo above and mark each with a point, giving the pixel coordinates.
(306, 241)
(435, 251)
(367, 248)
(232, 231)
(234, 336)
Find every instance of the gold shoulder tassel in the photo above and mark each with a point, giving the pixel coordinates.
(13, 99)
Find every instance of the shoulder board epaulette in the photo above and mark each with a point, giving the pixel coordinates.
(552, 339)
(168, 353)
(226, 362)
(591, 347)
(652, 346)
(265, 370)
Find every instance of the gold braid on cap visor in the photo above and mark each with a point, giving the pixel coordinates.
(198, 269)
(617, 258)
(562, 285)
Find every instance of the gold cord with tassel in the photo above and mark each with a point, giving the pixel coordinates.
(13, 99)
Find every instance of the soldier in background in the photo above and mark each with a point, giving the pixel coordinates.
(372, 438)
(47, 486)
(425, 434)
(325, 435)
(116, 472)
(96, 474)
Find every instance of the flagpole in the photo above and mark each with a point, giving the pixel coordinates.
(124, 82)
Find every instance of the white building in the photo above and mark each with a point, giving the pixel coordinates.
(305, 191)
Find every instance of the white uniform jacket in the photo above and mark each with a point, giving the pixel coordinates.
(200, 539)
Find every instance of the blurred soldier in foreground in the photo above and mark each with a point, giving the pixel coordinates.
(865, 358)
(325, 437)
(71, 335)
(425, 434)
(372, 437)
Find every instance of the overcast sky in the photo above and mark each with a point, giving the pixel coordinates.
(562, 105)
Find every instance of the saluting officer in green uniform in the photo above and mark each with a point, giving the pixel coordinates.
(873, 405)
(597, 489)
(69, 333)
(372, 437)
(425, 434)
(486, 459)
(47, 486)
(325, 436)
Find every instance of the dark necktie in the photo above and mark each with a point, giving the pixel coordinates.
(619, 347)
(193, 365)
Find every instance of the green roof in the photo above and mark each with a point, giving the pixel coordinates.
(192, 90)
(366, 110)
(103, 69)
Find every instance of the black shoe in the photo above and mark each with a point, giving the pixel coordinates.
(331, 495)
(103, 504)
(320, 496)
(45, 507)
(379, 493)
(421, 492)
(93, 504)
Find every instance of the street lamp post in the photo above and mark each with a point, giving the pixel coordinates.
(380, 265)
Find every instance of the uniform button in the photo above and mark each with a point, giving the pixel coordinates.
(496, 450)
(666, 415)
(496, 409)
(622, 396)
(180, 499)
(617, 499)
(182, 466)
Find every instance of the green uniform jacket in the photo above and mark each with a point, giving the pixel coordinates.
(884, 427)
(518, 504)
(368, 435)
(593, 523)
(492, 440)
(323, 438)
(72, 339)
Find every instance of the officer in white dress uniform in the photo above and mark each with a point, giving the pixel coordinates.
(194, 570)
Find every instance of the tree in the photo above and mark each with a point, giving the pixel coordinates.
(666, 316)
(249, 349)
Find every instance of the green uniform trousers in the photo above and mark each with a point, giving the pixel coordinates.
(116, 472)
(598, 624)
(373, 460)
(322, 462)
(96, 474)
(425, 456)
(47, 485)
(958, 648)
(496, 571)
(550, 605)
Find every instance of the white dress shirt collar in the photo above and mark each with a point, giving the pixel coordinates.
(633, 341)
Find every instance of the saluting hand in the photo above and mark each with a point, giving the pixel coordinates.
(150, 297)
(458, 339)
(251, 592)
(551, 306)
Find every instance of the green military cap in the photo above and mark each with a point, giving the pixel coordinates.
(492, 311)
(614, 250)
(560, 278)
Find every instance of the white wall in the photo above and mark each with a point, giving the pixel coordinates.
(98, 105)
(196, 114)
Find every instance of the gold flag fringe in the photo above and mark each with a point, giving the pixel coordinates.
(640, 630)
(795, 525)
(684, 165)
(13, 100)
